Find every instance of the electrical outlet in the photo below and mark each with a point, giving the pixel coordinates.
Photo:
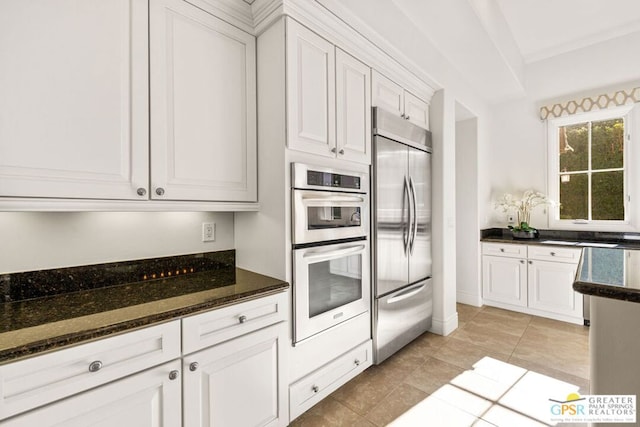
(208, 231)
(511, 219)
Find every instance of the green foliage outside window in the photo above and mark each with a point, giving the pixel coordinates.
(591, 165)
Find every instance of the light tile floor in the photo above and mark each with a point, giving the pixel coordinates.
(416, 374)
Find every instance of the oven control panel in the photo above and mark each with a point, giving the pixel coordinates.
(309, 177)
(326, 179)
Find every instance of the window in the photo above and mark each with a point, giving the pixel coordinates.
(589, 170)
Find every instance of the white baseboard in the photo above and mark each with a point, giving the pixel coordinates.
(444, 327)
(469, 298)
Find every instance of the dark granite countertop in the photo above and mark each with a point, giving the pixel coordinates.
(32, 325)
(567, 238)
(609, 273)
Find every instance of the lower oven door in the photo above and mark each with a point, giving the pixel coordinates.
(326, 215)
(330, 285)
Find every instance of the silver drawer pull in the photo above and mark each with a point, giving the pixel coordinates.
(242, 319)
(356, 362)
(193, 366)
(173, 375)
(315, 388)
(501, 249)
(553, 253)
(95, 366)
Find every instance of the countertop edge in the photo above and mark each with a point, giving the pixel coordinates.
(607, 291)
(62, 341)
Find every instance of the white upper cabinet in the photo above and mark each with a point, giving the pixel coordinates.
(203, 106)
(125, 100)
(387, 94)
(74, 98)
(392, 97)
(416, 110)
(353, 108)
(328, 98)
(311, 91)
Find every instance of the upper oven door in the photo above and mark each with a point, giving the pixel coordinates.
(325, 215)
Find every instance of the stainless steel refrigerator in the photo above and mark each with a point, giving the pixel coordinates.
(401, 228)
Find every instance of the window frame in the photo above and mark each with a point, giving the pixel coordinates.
(628, 113)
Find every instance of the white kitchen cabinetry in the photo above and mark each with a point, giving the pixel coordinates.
(74, 108)
(534, 279)
(151, 398)
(504, 280)
(392, 97)
(203, 106)
(239, 381)
(328, 98)
(37, 381)
(156, 100)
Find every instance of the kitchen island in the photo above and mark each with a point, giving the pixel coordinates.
(612, 278)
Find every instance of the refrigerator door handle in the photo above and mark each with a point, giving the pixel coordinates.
(406, 227)
(407, 293)
(414, 227)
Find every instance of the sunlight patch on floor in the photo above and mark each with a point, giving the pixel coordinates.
(493, 393)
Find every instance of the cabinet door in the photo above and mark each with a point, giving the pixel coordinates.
(237, 383)
(551, 288)
(310, 91)
(149, 399)
(203, 106)
(74, 98)
(416, 110)
(387, 94)
(504, 280)
(353, 108)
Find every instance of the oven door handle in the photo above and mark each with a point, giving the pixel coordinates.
(407, 293)
(315, 199)
(333, 253)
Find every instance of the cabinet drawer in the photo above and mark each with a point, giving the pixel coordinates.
(550, 253)
(207, 329)
(33, 382)
(504, 249)
(316, 386)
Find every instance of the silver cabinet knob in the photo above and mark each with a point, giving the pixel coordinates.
(142, 191)
(501, 249)
(530, 262)
(407, 118)
(341, 152)
(553, 253)
(193, 366)
(315, 388)
(333, 150)
(173, 375)
(356, 362)
(160, 191)
(402, 115)
(242, 319)
(521, 261)
(95, 366)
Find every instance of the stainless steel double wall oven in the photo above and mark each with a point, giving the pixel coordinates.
(331, 271)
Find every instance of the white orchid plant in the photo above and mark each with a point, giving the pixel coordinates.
(522, 207)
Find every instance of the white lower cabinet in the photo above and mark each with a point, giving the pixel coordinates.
(232, 376)
(237, 383)
(533, 279)
(311, 389)
(504, 279)
(151, 398)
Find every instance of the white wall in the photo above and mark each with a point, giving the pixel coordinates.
(41, 240)
(517, 144)
(468, 290)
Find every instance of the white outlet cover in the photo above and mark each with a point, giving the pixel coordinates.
(208, 231)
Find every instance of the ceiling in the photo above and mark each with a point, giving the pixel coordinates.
(545, 28)
(490, 44)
